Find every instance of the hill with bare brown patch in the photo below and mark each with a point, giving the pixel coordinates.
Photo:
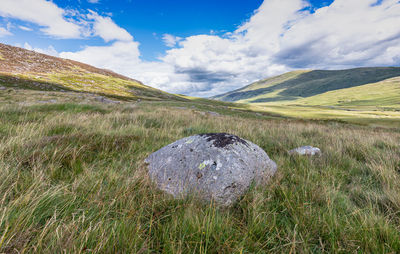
(26, 69)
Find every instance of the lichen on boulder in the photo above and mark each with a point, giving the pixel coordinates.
(216, 166)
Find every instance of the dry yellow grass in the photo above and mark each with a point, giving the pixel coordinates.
(72, 179)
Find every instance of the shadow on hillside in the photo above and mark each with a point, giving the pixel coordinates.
(11, 81)
(318, 82)
(15, 82)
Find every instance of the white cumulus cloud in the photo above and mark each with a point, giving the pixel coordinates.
(107, 29)
(62, 23)
(171, 40)
(44, 13)
(344, 34)
(121, 56)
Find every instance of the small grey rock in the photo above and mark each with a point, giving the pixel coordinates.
(2, 88)
(200, 112)
(49, 101)
(105, 100)
(213, 113)
(218, 166)
(306, 150)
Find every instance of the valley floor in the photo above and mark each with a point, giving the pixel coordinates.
(72, 179)
(362, 115)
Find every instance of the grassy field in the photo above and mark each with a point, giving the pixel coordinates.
(73, 180)
(73, 139)
(368, 116)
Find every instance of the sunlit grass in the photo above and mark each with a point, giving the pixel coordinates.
(371, 116)
(84, 82)
(72, 179)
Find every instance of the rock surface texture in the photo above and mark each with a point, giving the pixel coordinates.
(218, 166)
(306, 150)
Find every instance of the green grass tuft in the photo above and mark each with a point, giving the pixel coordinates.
(68, 107)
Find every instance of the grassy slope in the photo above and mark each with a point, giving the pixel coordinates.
(381, 94)
(24, 69)
(262, 88)
(302, 84)
(72, 178)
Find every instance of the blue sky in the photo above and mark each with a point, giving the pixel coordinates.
(207, 47)
(148, 20)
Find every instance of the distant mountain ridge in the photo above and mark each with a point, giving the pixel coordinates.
(296, 85)
(26, 69)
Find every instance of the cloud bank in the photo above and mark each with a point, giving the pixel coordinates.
(280, 36)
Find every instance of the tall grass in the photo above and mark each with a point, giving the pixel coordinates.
(72, 179)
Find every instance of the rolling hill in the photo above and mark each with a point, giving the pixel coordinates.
(385, 93)
(25, 69)
(294, 86)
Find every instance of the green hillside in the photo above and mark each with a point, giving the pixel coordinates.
(295, 85)
(24, 69)
(385, 93)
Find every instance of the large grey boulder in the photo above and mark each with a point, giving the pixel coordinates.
(306, 150)
(217, 166)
